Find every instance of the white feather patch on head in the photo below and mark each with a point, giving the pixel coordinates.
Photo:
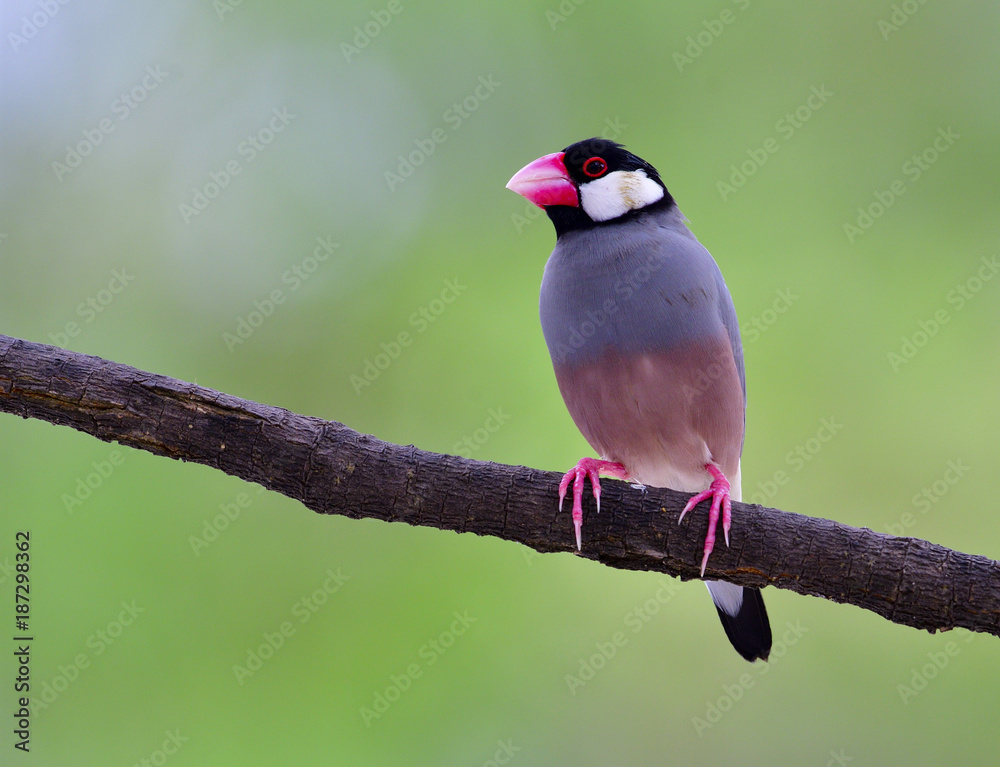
(617, 193)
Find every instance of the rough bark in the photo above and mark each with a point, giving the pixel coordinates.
(335, 470)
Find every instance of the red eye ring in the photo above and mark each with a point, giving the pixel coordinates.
(591, 173)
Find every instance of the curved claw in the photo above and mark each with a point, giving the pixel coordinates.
(718, 491)
(587, 468)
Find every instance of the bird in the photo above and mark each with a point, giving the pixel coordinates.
(646, 348)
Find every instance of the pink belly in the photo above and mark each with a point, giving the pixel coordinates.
(664, 415)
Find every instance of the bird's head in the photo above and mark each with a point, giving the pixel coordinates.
(590, 183)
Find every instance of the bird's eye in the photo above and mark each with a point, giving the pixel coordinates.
(594, 167)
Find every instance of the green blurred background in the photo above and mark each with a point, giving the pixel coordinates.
(695, 88)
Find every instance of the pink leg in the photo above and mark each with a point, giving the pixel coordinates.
(718, 491)
(587, 467)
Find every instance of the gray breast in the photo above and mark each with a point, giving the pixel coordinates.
(645, 285)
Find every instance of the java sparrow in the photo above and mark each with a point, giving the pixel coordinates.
(646, 346)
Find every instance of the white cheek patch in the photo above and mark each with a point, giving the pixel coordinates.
(617, 193)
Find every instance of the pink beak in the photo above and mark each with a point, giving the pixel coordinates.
(545, 182)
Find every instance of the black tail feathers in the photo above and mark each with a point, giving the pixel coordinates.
(749, 630)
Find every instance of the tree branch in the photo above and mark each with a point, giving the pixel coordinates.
(335, 470)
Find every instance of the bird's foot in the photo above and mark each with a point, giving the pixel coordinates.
(718, 491)
(592, 468)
